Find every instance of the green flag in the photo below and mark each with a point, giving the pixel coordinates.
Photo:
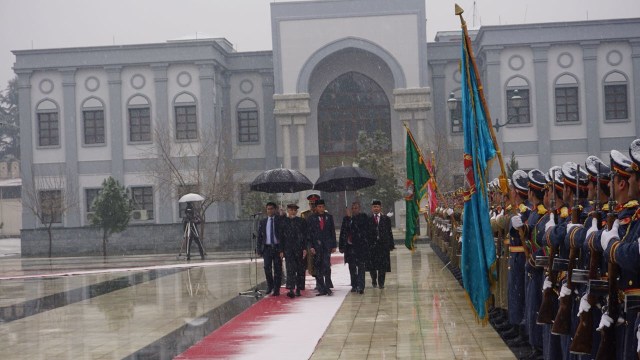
(415, 189)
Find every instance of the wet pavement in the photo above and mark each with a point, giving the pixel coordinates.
(156, 307)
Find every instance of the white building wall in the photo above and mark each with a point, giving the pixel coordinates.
(247, 86)
(299, 39)
(137, 150)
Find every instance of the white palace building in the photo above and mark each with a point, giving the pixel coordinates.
(336, 68)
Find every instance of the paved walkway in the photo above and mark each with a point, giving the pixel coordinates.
(123, 311)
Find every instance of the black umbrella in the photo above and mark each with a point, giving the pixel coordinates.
(344, 178)
(281, 181)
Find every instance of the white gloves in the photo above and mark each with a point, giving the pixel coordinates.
(605, 321)
(609, 235)
(593, 228)
(551, 223)
(450, 211)
(501, 212)
(546, 284)
(564, 291)
(584, 305)
(638, 337)
(571, 226)
(516, 222)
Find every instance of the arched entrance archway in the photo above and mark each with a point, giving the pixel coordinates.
(351, 103)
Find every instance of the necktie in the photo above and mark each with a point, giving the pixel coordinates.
(322, 223)
(377, 220)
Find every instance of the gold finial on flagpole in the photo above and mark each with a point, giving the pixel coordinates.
(459, 10)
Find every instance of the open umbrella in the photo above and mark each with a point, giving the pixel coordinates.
(281, 181)
(191, 197)
(344, 178)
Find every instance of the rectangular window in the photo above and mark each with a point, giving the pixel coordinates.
(93, 126)
(50, 206)
(90, 195)
(139, 124)
(567, 104)
(142, 199)
(456, 118)
(518, 110)
(183, 190)
(11, 192)
(186, 122)
(248, 126)
(48, 130)
(615, 102)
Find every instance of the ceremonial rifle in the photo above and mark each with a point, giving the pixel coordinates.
(545, 313)
(607, 348)
(583, 338)
(562, 323)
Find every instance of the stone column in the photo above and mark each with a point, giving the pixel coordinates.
(271, 149)
(289, 110)
(302, 158)
(541, 103)
(440, 97)
(165, 213)
(592, 116)
(412, 106)
(117, 121)
(26, 144)
(72, 215)
(494, 96)
(635, 62)
(207, 99)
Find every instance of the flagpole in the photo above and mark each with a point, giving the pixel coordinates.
(467, 40)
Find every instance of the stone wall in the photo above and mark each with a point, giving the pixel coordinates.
(135, 240)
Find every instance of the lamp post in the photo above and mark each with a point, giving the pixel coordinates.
(516, 101)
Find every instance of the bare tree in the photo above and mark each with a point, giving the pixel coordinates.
(49, 197)
(201, 166)
(445, 153)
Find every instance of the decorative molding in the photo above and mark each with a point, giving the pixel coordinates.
(614, 58)
(138, 81)
(516, 62)
(92, 83)
(246, 86)
(183, 79)
(565, 60)
(46, 86)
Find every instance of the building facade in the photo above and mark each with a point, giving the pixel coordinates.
(337, 68)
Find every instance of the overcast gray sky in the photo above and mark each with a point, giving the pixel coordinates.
(41, 24)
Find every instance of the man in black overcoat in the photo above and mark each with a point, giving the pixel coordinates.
(322, 242)
(353, 244)
(295, 249)
(270, 248)
(380, 244)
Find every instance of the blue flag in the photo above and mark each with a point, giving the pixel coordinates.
(478, 249)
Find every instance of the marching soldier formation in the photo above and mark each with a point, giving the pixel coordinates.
(571, 236)
(365, 240)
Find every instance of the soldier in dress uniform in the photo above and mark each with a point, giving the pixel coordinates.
(532, 231)
(599, 175)
(608, 240)
(620, 245)
(311, 198)
(518, 196)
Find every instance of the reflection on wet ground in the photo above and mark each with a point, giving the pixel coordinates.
(156, 314)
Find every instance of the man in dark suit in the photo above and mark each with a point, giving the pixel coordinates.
(353, 244)
(295, 246)
(322, 242)
(270, 248)
(380, 244)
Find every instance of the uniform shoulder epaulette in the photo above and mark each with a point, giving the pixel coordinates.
(631, 204)
(541, 209)
(564, 212)
(523, 208)
(605, 207)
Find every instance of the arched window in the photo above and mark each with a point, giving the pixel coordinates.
(517, 93)
(616, 105)
(93, 121)
(186, 117)
(48, 123)
(566, 95)
(139, 119)
(248, 122)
